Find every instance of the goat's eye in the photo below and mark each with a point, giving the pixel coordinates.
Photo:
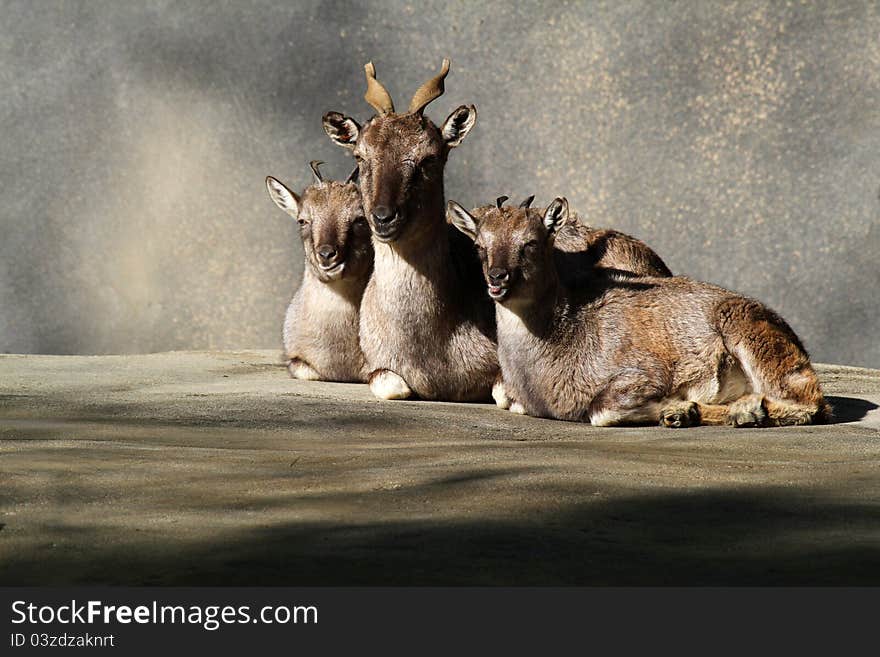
(530, 248)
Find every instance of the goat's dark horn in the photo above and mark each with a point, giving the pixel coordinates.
(500, 200)
(527, 202)
(314, 164)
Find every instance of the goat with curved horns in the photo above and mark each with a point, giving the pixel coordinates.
(427, 327)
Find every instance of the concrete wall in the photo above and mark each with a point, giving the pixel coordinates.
(742, 141)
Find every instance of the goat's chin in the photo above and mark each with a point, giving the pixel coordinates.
(390, 235)
(386, 239)
(512, 300)
(331, 274)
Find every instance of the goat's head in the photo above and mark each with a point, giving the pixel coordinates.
(515, 244)
(400, 156)
(334, 231)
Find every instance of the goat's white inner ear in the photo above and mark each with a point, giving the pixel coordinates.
(556, 215)
(349, 132)
(283, 197)
(462, 219)
(343, 130)
(458, 125)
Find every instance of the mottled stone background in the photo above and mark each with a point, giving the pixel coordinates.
(741, 140)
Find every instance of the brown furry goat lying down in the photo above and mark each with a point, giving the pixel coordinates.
(614, 349)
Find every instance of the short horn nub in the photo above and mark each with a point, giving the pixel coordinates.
(377, 96)
(527, 202)
(500, 201)
(314, 164)
(431, 90)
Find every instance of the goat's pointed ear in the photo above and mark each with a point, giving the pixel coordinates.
(556, 215)
(458, 125)
(343, 130)
(283, 197)
(462, 219)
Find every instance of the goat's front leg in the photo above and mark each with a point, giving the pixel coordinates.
(300, 369)
(499, 393)
(503, 399)
(386, 384)
(679, 414)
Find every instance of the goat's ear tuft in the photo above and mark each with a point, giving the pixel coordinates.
(458, 125)
(556, 215)
(343, 130)
(283, 197)
(462, 219)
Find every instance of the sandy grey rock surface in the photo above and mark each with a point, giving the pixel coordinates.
(216, 468)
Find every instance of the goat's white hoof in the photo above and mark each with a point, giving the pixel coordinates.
(388, 385)
(499, 394)
(301, 370)
(517, 408)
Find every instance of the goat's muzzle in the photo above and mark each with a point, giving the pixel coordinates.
(331, 262)
(498, 283)
(386, 223)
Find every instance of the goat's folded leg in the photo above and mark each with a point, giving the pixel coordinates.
(634, 396)
(386, 384)
(680, 414)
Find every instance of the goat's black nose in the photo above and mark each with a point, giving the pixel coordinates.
(498, 275)
(326, 252)
(382, 214)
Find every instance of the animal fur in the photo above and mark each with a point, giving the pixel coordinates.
(427, 327)
(320, 332)
(619, 349)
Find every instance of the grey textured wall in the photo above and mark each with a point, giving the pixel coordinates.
(742, 141)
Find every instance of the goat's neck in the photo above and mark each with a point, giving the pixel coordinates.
(345, 289)
(422, 251)
(537, 312)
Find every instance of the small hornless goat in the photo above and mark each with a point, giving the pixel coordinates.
(427, 327)
(620, 350)
(321, 325)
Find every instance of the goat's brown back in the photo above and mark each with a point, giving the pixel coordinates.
(579, 249)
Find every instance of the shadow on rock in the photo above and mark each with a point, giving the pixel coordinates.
(849, 409)
(731, 537)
